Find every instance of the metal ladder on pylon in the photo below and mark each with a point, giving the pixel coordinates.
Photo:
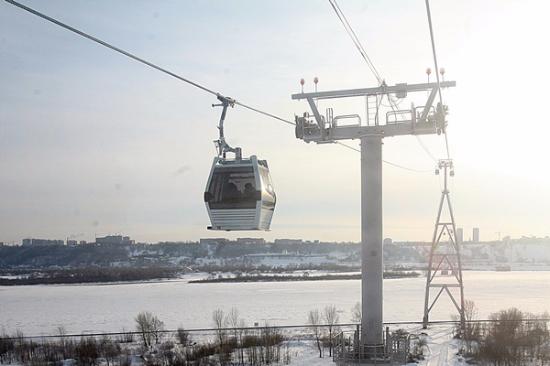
(372, 105)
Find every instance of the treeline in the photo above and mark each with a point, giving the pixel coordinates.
(97, 255)
(510, 338)
(163, 254)
(279, 278)
(92, 274)
(152, 346)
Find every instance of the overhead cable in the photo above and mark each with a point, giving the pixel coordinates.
(370, 64)
(432, 38)
(136, 58)
(355, 39)
(425, 148)
(385, 161)
(110, 46)
(165, 71)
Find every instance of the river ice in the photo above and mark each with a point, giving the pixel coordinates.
(41, 309)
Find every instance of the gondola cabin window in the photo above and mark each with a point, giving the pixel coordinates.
(233, 188)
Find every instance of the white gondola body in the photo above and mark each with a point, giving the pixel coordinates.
(250, 202)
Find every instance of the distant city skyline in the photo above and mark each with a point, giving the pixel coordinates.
(93, 143)
(126, 240)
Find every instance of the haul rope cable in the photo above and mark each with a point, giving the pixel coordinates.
(168, 72)
(347, 26)
(432, 38)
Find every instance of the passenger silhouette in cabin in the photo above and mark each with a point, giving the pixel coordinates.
(231, 193)
(249, 192)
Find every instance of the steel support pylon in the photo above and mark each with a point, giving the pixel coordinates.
(371, 241)
(444, 265)
(426, 119)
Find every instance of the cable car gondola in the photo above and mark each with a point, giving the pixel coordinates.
(239, 193)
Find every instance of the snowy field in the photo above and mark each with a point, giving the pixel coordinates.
(39, 310)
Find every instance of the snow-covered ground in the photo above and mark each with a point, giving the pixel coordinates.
(441, 350)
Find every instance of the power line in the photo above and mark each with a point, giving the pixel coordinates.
(163, 70)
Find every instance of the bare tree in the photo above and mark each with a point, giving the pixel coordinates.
(241, 334)
(143, 326)
(471, 330)
(233, 320)
(157, 328)
(314, 319)
(183, 336)
(149, 327)
(62, 332)
(109, 350)
(356, 313)
(331, 318)
(218, 317)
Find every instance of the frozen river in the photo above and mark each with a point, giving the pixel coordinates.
(111, 307)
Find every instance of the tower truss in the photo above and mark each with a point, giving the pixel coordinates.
(444, 273)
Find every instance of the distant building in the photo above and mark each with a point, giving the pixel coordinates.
(459, 235)
(83, 242)
(1, 243)
(388, 241)
(281, 260)
(288, 241)
(475, 235)
(257, 241)
(114, 240)
(72, 243)
(30, 242)
(208, 241)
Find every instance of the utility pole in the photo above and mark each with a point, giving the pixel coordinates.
(444, 257)
(328, 128)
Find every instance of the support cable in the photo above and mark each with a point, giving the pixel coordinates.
(432, 38)
(425, 148)
(110, 46)
(138, 59)
(168, 72)
(375, 72)
(355, 39)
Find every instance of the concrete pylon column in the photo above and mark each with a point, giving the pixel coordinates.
(371, 241)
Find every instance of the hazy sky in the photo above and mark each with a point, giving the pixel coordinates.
(92, 143)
